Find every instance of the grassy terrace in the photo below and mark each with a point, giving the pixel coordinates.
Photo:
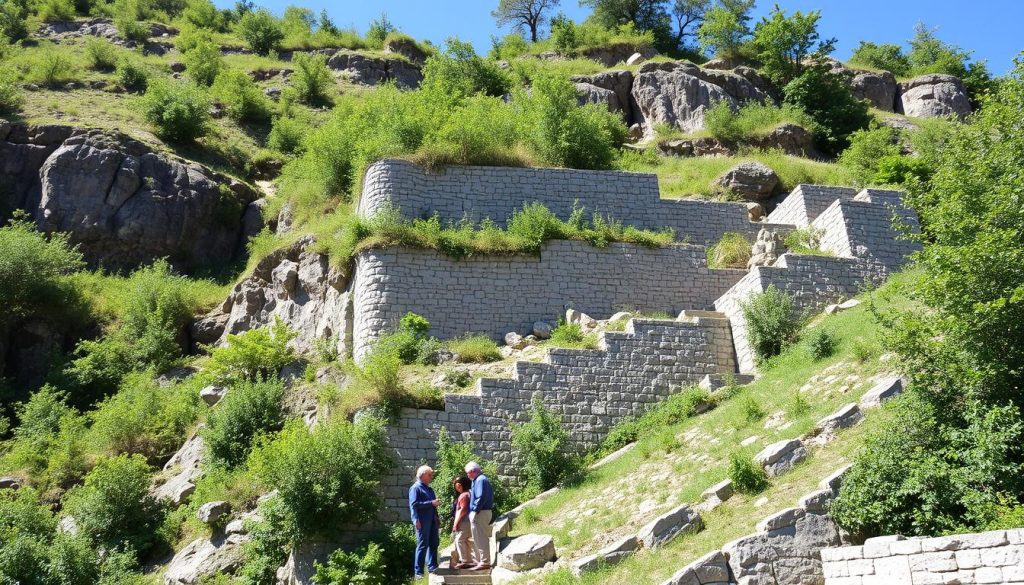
(674, 465)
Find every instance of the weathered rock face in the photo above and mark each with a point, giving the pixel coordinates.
(406, 48)
(751, 180)
(591, 94)
(670, 93)
(105, 28)
(933, 96)
(122, 203)
(296, 285)
(877, 88)
(789, 138)
(787, 553)
(182, 472)
(205, 558)
(27, 348)
(619, 83)
(376, 70)
(767, 249)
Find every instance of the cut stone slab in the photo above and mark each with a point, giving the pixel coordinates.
(883, 391)
(722, 490)
(817, 502)
(844, 418)
(664, 528)
(712, 382)
(780, 457)
(607, 556)
(530, 551)
(779, 520)
(711, 569)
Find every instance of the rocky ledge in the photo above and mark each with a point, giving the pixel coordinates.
(123, 203)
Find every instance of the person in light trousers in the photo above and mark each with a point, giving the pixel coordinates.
(462, 531)
(481, 505)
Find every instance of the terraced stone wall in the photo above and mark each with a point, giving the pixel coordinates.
(495, 295)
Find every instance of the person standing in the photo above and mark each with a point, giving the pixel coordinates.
(461, 528)
(423, 504)
(481, 505)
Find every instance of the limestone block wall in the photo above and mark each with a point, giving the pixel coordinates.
(495, 295)
(967, 559)
(496, 192)
(806, 203)
(591, 389)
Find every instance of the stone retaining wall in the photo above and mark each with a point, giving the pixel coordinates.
(496, 192)
(807, 202)
(591, 390)
(987, 557)
(495, 295)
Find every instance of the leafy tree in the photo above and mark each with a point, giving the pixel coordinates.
(12, 21)
(825, 97)
(242, 98)
(528, 14)
(726, 27)
(261, 31)
(785, 43)
(886, 56)
(379, 30)
(645, 15)
(771, 323)
(461, 72)
(687, 13)
(312, 78)
(929, 54)
(203, 62)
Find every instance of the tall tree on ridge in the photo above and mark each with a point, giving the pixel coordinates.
(528, 14)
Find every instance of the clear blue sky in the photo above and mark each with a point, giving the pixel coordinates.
(990, 28)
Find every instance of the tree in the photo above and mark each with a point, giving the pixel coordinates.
(261, 31)
(726, 27)
(886, 56)
(929, 54)
(784, 43)
(646, 15)
(688, 13)
(826, 98)
(524, 14)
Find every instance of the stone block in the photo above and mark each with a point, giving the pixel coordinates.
(527, 552)
(780, 457)
(669, 525)
(1001, 556)
(722, 490)
(860, 567)
(845, 417)
(817, 502)
(895, 569)
(835, 480)
(934, 562)
(884, 390)
(983, 575)
(779, 520)
(911, 546)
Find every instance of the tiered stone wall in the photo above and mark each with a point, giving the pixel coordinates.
(495, 295)
(967, 559)
(806, 203)
(591, 390)
(497, 192)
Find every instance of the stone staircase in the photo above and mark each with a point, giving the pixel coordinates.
(453, 577)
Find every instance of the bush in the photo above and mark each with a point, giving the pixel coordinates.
(179, 112)
(328, 476)
(286, 135)
(312, 78)
(785, 44)
(132, 76)
(52, 68)
(242, 98)
(12, 21)
(867, 148)
(543, 445)
(11, 96)
(377, 378)
(747, 476)
(261, 31)
(887, 57)
(750, 120)
(48, 444)
(863, 350)
(379, 30)
(567, 335)
(203, 62)
(32, 268)
(805, 241)
(826, 98)
(363, 566)
(477, 349)
(732, 251)
(752, 410)
(114, 508)
(56, 10)
(129, 27)
(256, 355)
(268, 545)
(100, 54)
(771, 323)
(248, 410)
(821, 344)
(460, 72)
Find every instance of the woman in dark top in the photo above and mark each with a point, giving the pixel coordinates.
(461, 531)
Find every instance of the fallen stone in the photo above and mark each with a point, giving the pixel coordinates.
(530, 551)
(574, 317)
(204, 558)
(750, 180)
(211, 395)
(635, 58)
(755, 211)
(881, 392)
(722, 490)
(711, 569)
(9, 483)
(844, 418)
(542, 330)
(211, 512)
(664, 528)
(780, 457)
(515, 341)
(607, 556)
(834, 481)
(779, 520)
(791, 555)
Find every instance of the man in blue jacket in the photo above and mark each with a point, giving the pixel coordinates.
(481, 506)
(423, 508)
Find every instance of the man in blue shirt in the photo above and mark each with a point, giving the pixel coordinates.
(481, 505)
(423, 508)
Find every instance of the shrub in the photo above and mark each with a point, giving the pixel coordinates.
(312, 78)
(242, 98)
(867, 148)
(129, 27)
(508, 47)
(459, 71)
(269, 542)
(750, 120)
(52, 68)
(32, 267)
(771, 324)
(132, 76)
(11, 96)
(48, 444)
(179, 112)
(377, 378)
(56, 10)
(379, 30)
(114, 508)
(364, 566)
(752, 410)
(328, 476)
(261, 31)
(100, 54)
(475, 349)
(203, 62)
(747, 476)
(863, 350)
(12, 21)
(567, 335)
(286, 135)
(248, 410)
(543, 445)
(732, 251)
(805, 241)
(798, 406)
(821, 344)
(826, 98)
(258, 354)
(886, 56)
(785, 44)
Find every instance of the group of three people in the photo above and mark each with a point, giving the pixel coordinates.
(472, 513)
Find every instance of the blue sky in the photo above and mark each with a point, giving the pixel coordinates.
(990, 28)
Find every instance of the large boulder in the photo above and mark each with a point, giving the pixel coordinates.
(933, 96)
(297, 286)
(620, 83)
(790, 138)
(750, 180)
(591, 94)
(203, 558)
(121, 202)
(786, 550)
(670, 93)
(368, 70)
(878, 88)
(530, 551)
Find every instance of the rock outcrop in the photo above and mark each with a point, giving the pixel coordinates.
(203, 558)
(750, 180)
(407, 48)
(789, 138)
(104, 28)
(933, 96)
(369, 70)
(296, 285)
(122, 203)
(878, 88)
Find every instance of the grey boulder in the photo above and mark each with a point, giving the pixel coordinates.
(530, 551)
(933, 96)
(750, 180)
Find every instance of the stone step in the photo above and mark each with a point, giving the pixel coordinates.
(453, 577)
